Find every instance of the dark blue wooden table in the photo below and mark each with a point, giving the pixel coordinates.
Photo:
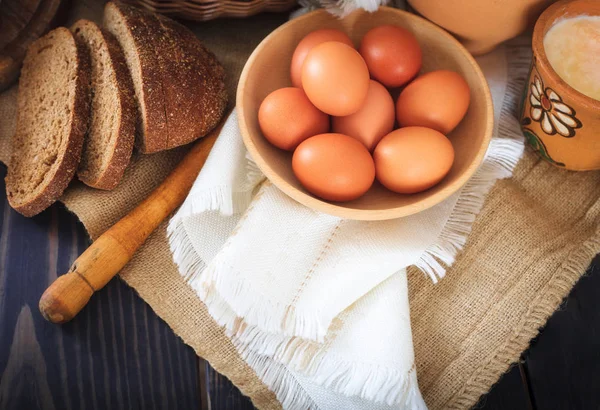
(117, 354)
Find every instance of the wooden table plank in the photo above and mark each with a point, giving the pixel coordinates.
(223, 394)
(117, 354)
(563, 363)
(508, 393)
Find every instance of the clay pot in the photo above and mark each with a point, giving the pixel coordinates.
(481, 25)
(559, 122)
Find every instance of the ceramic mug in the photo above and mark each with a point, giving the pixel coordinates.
(559, 122)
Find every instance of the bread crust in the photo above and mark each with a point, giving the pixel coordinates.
(192, 80)
(68, 159)
(196, 79)
(152, 137)
(119, 152)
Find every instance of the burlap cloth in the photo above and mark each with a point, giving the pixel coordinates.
(534, 238)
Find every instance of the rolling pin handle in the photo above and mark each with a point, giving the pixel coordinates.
(65, 297)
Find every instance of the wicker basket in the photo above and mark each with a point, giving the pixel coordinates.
(203, 10)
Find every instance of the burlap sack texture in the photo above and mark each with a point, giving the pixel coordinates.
(534, 238)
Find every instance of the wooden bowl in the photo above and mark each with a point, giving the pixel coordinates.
(268, 69)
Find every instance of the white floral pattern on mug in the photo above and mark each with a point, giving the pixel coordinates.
(551, 112)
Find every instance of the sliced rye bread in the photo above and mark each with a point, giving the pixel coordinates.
(192, 79)
(127, 24)
(53, 112)
(109, 142)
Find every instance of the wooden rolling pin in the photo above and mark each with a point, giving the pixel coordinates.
(95, 267)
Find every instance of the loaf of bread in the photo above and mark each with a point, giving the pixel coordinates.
(14, 17)
(179, 84)
(53, 112)
(42, 15)
(109, 142)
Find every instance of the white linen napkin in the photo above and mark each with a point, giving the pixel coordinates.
(318, 305)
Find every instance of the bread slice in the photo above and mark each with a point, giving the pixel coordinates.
(191, 79)
(127, 24)
(53, 111)
(109, 142)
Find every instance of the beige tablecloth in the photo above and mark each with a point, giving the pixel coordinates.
(534, 238)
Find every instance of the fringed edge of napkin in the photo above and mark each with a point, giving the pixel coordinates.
(217, 198)
(352, 379)
(373, 383)
(281, 356)
(502, 157)
(341, 8)
(288, 390)
(380, 385)
(292, 396)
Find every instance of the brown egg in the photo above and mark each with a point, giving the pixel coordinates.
(334, 167)
(392, 54)
(373, 121)
(438, 100)
(286, 118)
(307, 43)
(335, 78)
(413, 159)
